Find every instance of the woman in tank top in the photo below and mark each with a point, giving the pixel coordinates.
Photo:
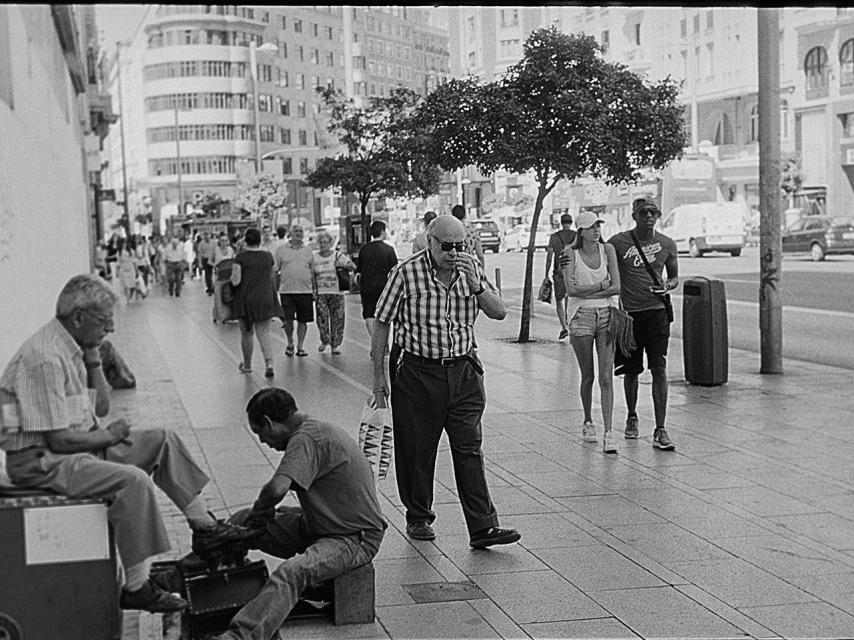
(591, 280)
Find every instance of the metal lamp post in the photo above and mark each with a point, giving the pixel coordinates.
(253, 74)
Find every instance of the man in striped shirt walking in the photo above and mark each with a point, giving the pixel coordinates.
(433, 298)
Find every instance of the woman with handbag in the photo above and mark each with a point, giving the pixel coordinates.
(592, 278)
(330, 279)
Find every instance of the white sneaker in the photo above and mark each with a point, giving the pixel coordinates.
(608, 445)
(588, 432)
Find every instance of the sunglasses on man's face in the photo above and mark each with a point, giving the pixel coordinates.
(447, 246)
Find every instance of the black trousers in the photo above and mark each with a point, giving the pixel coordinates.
(425, 400)
(208, 269)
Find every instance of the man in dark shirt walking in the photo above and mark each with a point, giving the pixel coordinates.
(557, 241)
(376, 260)
(644, 298)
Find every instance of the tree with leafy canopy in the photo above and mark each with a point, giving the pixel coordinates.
(381, 155)
(263, 197)
(562, 112)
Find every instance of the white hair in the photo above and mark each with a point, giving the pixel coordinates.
(84, 291)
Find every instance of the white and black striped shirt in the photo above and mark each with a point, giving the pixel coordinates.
(430, 319)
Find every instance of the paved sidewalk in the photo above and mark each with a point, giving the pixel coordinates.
(746, 530)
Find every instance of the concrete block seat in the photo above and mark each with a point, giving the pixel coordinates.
(350, 598)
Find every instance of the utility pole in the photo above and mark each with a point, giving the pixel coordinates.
(253, 74)
(178, 158)
(122, 125)
(770, 248)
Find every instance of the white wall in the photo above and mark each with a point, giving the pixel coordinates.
(43, 213)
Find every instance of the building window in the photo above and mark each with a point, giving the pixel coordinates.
(285, 108)
(301, 53)
(314, 29)
(637, 34)
(696, 23)
(287, 163)
(300, 109)
(815, 68)
(683, 28)
(300, 81)
(315, 56)
(784, 119)
(298, 26)
(510, 17)
(847, 124)
(710, 20)
(330, 59)
(268, 133)
(710, 60)
(303, 166)
(723, 130)
(846, 64)
(329, 32)
(284, 135)
(754, 123)
(284, 23)
(265, 102)
(284, 78)
(605, 41)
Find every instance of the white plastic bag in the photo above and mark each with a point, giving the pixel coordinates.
(376, 437)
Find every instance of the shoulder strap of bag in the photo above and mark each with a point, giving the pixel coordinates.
(646, 264)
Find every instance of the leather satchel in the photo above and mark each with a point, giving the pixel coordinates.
(621, 329)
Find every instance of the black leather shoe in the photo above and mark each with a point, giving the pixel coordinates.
(494, 535)
(151, 598)
(220, 535)
(420, 530)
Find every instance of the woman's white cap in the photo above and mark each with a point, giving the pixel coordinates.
(587, 219)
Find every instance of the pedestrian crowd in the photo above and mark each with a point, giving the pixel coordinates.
(420, 313)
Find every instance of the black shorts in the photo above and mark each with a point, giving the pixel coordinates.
(652, 333)
(300, 305)
(369, 304)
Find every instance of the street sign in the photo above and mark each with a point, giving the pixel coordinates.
(108, 194)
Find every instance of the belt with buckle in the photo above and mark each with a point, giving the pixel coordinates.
(444, 362)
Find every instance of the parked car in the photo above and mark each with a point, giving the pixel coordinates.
(706, 226)
(820, 236)
(490, 237)
(517, 238)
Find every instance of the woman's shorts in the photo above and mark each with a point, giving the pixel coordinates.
(590, 321)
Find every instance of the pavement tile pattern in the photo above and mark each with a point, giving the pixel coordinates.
(746, 530)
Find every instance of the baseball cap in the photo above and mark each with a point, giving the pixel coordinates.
(587, 219)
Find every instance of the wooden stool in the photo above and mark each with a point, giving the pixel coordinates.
(354, 596)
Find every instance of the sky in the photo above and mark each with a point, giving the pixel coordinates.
(117, 22)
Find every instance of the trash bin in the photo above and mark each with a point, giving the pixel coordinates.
(705, 339)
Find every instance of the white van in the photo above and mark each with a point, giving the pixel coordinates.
(706, 226)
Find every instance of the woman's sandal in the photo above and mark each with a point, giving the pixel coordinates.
(302, 352)
(289, 351)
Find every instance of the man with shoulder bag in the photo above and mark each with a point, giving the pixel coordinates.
(557, 241)
(643, 254)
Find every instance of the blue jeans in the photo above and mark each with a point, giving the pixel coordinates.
(308, 562)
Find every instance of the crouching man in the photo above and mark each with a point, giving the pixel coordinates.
(337, 527)
(52, 393)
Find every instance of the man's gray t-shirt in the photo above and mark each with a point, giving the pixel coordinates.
(635, 281)
(332, 480)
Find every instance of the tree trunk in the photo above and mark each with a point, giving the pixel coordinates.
(525, 326)
(366, 223)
